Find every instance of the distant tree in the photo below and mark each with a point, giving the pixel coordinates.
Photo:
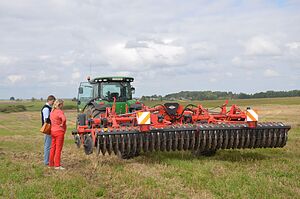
(74, 99)
(12, 98)
(243, 96)
(33, 99)
(211, 95)
(42, 99)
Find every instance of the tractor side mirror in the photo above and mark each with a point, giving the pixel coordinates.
(80, 90)
(132, 90)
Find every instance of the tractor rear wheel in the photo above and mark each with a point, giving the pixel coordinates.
(94, 110)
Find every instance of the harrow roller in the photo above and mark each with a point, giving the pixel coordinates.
(195, 138)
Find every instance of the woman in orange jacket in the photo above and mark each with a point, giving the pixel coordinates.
(58, 130)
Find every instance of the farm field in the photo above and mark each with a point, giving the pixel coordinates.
(256, 173)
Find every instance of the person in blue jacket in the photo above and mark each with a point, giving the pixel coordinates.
(45, 113)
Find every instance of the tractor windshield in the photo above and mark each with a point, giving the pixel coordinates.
(85, 92)
(120, 90)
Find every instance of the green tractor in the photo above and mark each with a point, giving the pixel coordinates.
(99, 93)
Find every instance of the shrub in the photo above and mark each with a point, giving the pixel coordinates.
(13, 108)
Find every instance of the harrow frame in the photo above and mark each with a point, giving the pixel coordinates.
(172, 127)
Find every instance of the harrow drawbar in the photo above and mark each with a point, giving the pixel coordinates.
(199, 137)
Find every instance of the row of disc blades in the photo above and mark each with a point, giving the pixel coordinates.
(199, 138)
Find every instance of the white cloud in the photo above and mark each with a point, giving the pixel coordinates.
(15, 78)
(236, 61)
(123, 73)
(202, 51)
(138, 55)
(47, 77)
(271, 73)
(76, 75)
(67, 62)
(167, 46)
(44, 57)
(245, 62)
(5, 60)
(293, 45)
(136, 44)
(259, 46)
(228, 74)
(212, 79)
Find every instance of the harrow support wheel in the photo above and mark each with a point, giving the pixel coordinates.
(98, 149)
(127, 156)
(207, 153)
(88, 144)
(77, 140)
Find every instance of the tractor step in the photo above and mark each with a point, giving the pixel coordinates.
(200, 137)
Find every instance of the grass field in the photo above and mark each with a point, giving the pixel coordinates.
(258, 173)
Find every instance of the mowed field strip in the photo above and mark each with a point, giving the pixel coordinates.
(250, 173)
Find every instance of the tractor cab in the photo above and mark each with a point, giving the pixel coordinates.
(102, 91)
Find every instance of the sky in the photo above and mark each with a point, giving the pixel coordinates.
(49, 47)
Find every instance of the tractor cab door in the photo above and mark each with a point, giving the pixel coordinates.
(85, 93)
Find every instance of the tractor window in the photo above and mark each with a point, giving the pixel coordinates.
(85, 92)
(119, 90)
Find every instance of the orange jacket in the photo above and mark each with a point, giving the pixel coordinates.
(58, 121)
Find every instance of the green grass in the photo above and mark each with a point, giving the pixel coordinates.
(257, 173)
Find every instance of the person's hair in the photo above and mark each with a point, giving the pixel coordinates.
(50, 98)
(57, 103)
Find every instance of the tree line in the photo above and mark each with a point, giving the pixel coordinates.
(213, 95)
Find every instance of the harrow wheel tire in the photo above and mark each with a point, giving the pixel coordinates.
(77, 140)
(127, 156)
(88, 144)
(207, 153)
(98, 146)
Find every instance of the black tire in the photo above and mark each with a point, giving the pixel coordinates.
(98, 145)
(88, 144)
(135, 107)
(94, 109)
(77, 140)
(207, 152)
(127, 156)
